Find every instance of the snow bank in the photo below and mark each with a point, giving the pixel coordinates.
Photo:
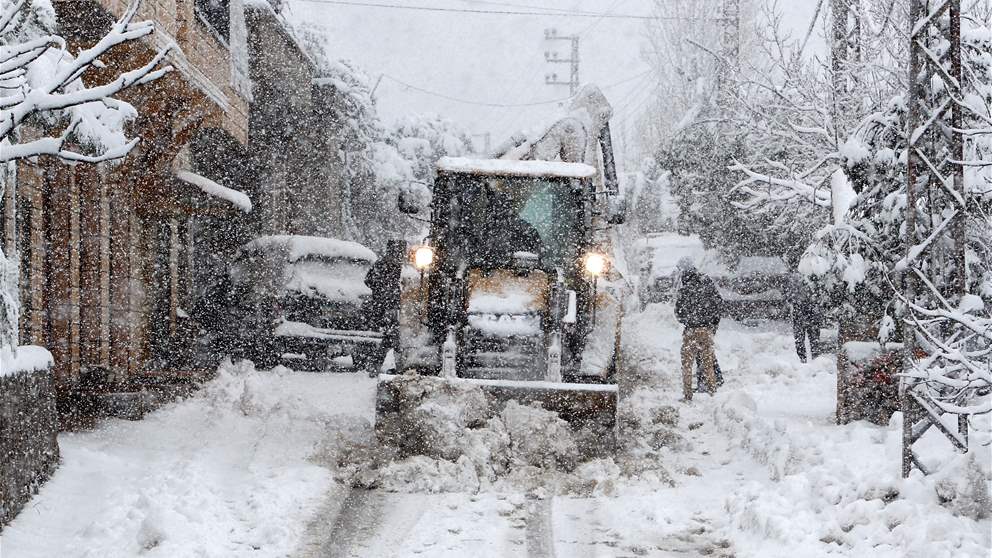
(806, 487)
(226, 472)
(837, 488)
(432, 416)
(28, 358)
(448, 437)
(539, 438)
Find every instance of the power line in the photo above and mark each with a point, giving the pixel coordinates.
(527, 6)
(503, 105)
(563, 13)
(609, 11)
(468, 102)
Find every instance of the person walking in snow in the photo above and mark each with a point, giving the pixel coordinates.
(697, 307)
(806, 318)
(700, 380)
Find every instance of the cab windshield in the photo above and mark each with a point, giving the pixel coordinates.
(506, 216)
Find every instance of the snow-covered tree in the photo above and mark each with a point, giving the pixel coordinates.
(381, 161)
(649, 197)
(782, 119)
(422, 139)
(864, 256)
(798, 110)
(73, 115)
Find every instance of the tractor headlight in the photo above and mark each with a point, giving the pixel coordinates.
(596, 264)
(423, 257)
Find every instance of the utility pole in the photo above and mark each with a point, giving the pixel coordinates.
(573, 61)
(730, 51)
(934, 187)
(730, 44)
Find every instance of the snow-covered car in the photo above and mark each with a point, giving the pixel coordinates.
(658, 257)
(301, 299)
(751, 289)
(754, 289)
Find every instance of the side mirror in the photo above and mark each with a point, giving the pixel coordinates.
(616, 209)
(409, 202)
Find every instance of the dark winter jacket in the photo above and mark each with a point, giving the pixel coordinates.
(383, 280)
(698, 303)
(798, 295)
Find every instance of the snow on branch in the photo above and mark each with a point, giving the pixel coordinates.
(79, 121)
(778, 189)
(38, 76)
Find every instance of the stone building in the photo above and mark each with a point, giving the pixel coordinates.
(115, 258)
(293, 138)
(105, 250)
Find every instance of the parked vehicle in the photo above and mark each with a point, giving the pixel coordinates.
(658, 255)
(753, 288)
(301, 301)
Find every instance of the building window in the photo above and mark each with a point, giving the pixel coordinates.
(217, 15)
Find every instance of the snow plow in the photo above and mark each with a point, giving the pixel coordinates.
(514, 291)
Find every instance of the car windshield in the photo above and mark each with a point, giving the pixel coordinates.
(506, 216)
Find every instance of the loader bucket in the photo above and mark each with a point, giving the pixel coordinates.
(586, 407)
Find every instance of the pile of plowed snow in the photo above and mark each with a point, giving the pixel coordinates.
(448, 437)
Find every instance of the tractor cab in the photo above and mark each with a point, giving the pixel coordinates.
(509, 282)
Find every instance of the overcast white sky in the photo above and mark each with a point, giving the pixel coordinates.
(485, 58)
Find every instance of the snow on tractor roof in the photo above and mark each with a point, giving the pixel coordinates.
(502, 167)
(299, 247)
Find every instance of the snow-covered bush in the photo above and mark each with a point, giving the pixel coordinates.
(649, 197)
(44, 86)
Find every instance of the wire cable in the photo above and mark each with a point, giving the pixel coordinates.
(503, 105)
(569, 13)
(526, 6)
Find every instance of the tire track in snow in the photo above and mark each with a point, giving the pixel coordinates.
(540, 536)
(361, 523)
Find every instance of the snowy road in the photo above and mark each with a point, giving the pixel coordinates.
(245, 468)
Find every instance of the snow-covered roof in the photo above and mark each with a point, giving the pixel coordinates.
(299, 247)
(502, 167)
(211, 188)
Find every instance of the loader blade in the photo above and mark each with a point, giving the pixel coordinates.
(581, 405)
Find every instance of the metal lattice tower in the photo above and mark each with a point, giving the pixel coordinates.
(730, 47)
(935, 185)
(730, 44)
(572, 61)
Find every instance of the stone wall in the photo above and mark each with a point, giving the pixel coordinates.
(29, 450)
(300, 173)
